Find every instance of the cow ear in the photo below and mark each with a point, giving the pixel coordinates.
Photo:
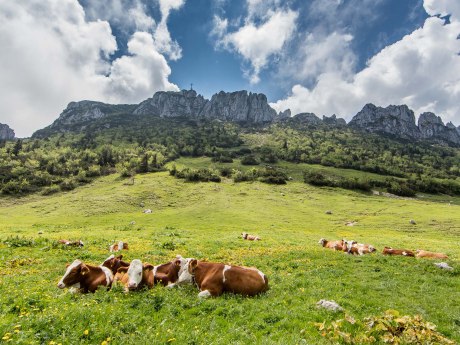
(122, 270)
(193, 264)
(67, 265)
(148, 266)
(84, 269)
(177, 263)
(119, 257)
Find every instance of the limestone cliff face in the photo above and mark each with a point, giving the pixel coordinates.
(239, 106)
(172, 104)
(6, 133)
(397, 120)
(432, 127)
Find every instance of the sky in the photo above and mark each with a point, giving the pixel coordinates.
(321, 56)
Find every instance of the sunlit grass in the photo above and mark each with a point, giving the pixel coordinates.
(205, 220)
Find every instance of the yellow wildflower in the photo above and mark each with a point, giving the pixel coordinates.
(86, 332)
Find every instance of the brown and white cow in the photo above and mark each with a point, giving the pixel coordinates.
(136, 276)
(168, 273)
(248, 237)
(403, 252)
(118, 246)
(336, 245)
(430, 255)
(213, 279)
(355, 248)
(113, 263)
(86, 277)
(78, 243)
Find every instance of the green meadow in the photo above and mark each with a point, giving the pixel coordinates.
(204, 221)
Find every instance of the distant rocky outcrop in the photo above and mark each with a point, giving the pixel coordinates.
(6, 133)
(432, 127)
(334, 121)
(307, 118)
(397, 120)
(185, 103)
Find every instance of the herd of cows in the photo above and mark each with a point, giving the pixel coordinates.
(355, 248)
(212, 279)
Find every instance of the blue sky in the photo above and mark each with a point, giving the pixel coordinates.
(321, 56)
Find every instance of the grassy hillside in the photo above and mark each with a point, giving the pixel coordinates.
(204, 220)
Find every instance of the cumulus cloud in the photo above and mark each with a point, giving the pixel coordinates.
(256, 43)
(163, 40)
(52, 54)
(421, 70)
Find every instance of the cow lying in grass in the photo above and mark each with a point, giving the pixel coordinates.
(213, 279)
(113, 263)
(118, 246)
(138, 275)
(431, 255)
(78, 243)
(248, 237)
(336, 245)
(403, 252)
(355, 248)
(85, 277)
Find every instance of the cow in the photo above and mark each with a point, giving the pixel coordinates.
(248, 237)
(355, 248)
(78, 243)
(136, 276)
(336, 245)
(403, 252)
(431, 255)
(213, 279)
(118, 246)
(85, 277)
(113, 263)
(168, 273)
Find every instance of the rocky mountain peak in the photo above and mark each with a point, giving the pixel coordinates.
(6, 133)
(396, 120)
(432, 127)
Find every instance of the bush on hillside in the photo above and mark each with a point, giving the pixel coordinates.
(200, 175)
(249, 160)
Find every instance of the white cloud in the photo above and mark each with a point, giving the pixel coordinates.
(132, 78)
(163, 40)
(130, 15)
(257, 43)
(52, 55)
(421, 70)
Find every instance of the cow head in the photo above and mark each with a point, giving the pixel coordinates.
(184, 271)
(113, 263)
(244, 235)
(137, 272)
(73, 274)
(322, 241)
(349, 245)
(80, 243)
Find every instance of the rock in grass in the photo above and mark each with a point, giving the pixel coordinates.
(329, 212)
(412, 222)
(329, 305)
(444, 266)
(148, 211)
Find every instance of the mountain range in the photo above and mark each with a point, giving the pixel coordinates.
(253, 108)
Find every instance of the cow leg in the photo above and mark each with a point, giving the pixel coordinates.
(204, 294)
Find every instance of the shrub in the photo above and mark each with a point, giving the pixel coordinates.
(225, 172)
(68, 184)
(201, 175)
(51, 190)
(249, 160)
(388, 328)
(401, 189)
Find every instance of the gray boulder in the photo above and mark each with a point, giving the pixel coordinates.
(307, 118)
(395, 120)
(283, 115)
(6, 133)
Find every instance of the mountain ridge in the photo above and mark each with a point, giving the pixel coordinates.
(253, 108)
